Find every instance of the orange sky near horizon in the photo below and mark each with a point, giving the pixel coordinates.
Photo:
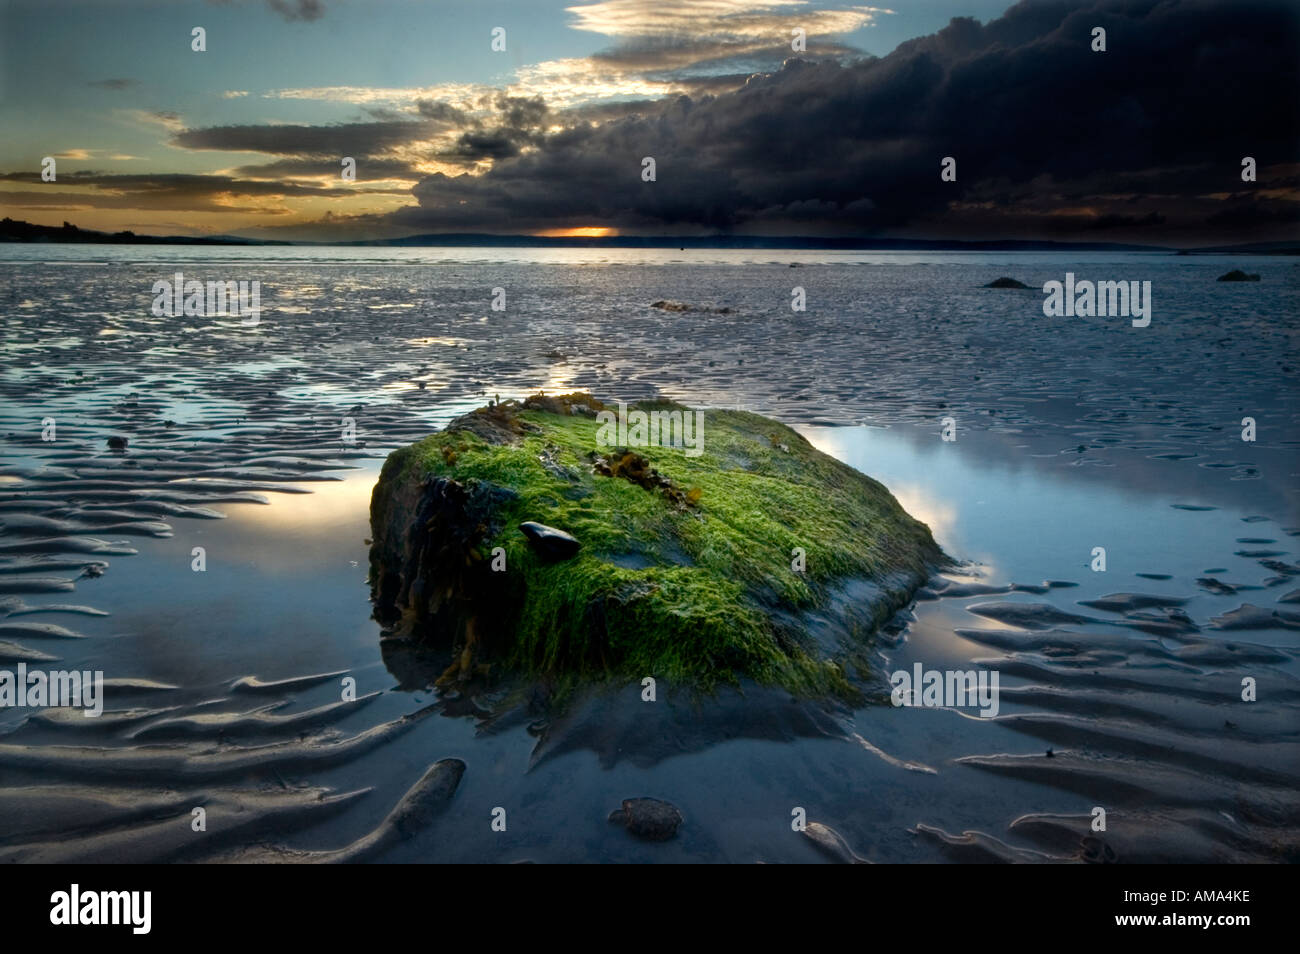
(585, 231)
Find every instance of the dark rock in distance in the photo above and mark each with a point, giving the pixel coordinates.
(651, 819)
(1005, 282)
(670, 305)
(117, 443)
(1237, 275)
(550, 543)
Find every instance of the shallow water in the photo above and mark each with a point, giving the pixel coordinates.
(1071, 434)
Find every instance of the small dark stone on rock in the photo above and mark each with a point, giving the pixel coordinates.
(548, 542)
(117, 443)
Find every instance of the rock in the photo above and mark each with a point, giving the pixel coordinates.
(117, 443)
(1096, 851)
(1005, 282)
(550, 543)
(669, 557)
(1237, 275)
(649, 818)
(669, 305)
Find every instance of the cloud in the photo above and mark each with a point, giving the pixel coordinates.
(367, 170)
(716, 21)
(306, 10)
(115, 84)
(342, 139)
(1043, 130)
(673, 36)
(1142, 142)
(175, 192)
(84, 154)
(435, 136)
(157, 117)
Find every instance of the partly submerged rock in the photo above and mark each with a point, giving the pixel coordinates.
(1237, 275)
(733, 549)
(670, 305)
(1005, 282)
(650, 818)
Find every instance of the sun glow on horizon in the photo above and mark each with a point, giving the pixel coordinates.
(586, 231)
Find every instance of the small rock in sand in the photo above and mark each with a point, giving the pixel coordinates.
(1095, 851)
(117, 443)
(649, 818)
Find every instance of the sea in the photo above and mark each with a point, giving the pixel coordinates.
(1121, 502)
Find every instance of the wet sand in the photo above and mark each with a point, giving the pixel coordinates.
(225, 685)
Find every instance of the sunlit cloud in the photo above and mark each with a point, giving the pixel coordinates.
(717, 18)
(165, 118)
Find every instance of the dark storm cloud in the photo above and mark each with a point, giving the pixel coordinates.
(1164, 117)
(517, 122)
(343, 139)
(443, 112)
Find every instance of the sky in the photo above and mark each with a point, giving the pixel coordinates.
(1051, 139)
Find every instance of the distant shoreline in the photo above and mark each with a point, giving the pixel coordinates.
(26, 233)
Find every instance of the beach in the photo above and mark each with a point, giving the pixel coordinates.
(1120, 688)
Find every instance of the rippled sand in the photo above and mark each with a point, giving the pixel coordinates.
(1119, 690)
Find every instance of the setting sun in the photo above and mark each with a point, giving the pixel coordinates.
(587, 231)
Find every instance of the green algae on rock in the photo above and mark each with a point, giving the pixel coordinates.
(755, 556)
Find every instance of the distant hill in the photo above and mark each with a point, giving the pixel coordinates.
(1251, 248)
(456, 239)
(12, 230)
